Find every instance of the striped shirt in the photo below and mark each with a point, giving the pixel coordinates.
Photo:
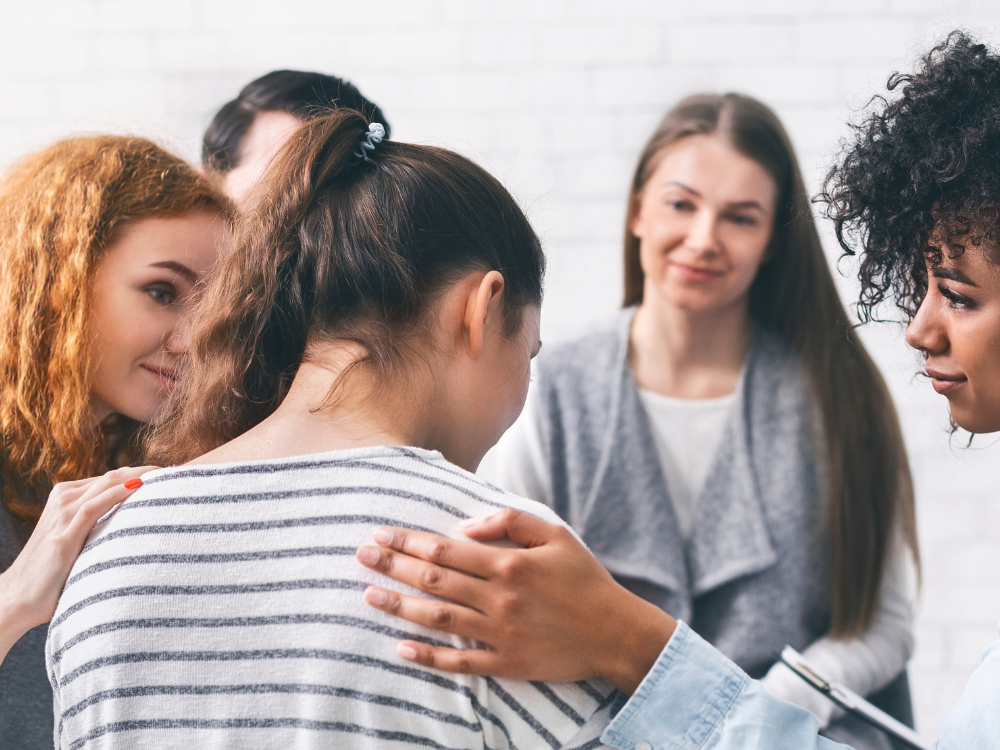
(220, 606)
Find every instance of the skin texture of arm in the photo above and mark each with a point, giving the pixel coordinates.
(30, 587)
(524, 604)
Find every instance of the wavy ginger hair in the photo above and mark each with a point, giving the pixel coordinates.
(60, 208)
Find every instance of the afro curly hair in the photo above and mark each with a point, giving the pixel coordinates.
(922, 174)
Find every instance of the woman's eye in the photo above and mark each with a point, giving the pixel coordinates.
(956, 300)
(161, 296)
(680, 205)
(743, 221)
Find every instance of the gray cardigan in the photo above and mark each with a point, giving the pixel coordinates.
(753, 575)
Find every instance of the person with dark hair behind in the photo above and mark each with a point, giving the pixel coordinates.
(249, 130)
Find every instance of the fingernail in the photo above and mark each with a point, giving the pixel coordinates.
(407, 652)
(133, 483)
(468, 523)
(375, 597)
(381, 536)
(368, 555)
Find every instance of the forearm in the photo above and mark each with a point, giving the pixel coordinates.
(634, 642)
(13, 620)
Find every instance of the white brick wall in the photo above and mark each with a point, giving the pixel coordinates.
(556, 97)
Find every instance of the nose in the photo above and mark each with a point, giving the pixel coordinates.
(927, 332)
(702, 236)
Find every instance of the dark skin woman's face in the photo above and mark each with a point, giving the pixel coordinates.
(958, 329)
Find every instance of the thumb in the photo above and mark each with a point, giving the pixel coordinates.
(521, 528)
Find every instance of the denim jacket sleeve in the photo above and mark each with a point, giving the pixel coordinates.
(695, 698)
(974, 722)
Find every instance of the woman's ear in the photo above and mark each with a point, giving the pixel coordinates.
(483, 310)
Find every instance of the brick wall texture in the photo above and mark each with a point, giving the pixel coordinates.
(555, 97)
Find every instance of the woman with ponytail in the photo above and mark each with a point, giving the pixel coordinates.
(366, 341)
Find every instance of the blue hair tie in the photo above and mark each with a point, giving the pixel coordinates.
(375, 134)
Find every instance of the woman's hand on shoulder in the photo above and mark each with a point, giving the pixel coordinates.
(30, 588)
(547, 611)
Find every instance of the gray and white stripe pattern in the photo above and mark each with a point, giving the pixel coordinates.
(220, 606)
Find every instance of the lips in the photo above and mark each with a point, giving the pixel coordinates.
(697, 273)
(944, 383)
(165, 376)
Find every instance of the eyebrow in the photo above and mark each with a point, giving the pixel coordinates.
(176, 267)
(736, 204)
(952, 274)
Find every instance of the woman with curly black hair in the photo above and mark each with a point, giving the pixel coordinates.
(916, 195)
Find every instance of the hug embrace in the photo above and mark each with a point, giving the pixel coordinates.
(321, 336)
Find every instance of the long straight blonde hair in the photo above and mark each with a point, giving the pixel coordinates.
(794, 295)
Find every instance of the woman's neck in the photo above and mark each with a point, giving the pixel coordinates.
(360, 415)
(688, 354)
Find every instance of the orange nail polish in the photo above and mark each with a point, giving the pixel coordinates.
(133, 484)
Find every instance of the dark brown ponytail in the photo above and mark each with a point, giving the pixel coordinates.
(340, 248)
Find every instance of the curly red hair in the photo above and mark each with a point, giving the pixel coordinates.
(59, 210)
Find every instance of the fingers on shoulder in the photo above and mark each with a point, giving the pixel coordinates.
(431, 613)
(459, 661)
(532, 531)
(429, 547)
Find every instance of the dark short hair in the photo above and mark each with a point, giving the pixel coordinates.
(297, 92)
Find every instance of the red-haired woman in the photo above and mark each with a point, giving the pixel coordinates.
(101, 241)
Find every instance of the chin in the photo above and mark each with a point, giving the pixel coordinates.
(145, 412)
(696, 303)
(979, 421)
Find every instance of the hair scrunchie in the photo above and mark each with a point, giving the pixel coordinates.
(374, 136)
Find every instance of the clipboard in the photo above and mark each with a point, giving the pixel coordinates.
(851, 701)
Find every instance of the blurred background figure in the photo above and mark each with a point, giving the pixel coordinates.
(246, 132)
(711, 442)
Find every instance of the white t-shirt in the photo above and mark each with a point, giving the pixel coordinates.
(221, 606)
(687, 434)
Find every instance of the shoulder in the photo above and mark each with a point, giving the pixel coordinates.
(769, 346)
(579, 370)
(603, 342)
(491, 497)
(774, 365)
(531, 507)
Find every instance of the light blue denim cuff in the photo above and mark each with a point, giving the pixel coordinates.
(683, 699)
